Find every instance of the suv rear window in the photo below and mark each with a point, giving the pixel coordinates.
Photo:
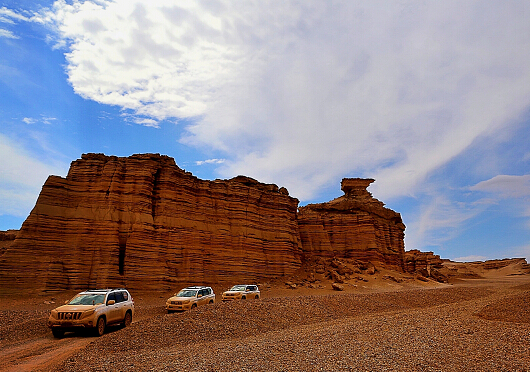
(119, 297)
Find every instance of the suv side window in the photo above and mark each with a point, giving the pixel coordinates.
(208, 291)
(125, 296)
(203, 292)
(111, 296)
(119, 297)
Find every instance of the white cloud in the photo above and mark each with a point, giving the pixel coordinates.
(147, 122)
(8, 15)
(48, 120)
(471, 258)
(7, 34)
(22, 178)
(441, 219)
(43, 119)
(506, 186)
(210, 161)
(303, 94)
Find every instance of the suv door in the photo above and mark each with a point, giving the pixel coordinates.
(200, 297)
(121, 306)
(112, 310)
(207, 295)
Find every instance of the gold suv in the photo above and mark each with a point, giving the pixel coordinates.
(189, 298)
(93, 309)
(241, 292)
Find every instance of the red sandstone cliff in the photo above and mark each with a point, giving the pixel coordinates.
(142, 222)
(355, 225)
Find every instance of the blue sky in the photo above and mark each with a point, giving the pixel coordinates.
(431, 99)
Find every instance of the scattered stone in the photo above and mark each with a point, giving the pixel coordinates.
(337, 286)
(393, 278)
(370, 270)
(336, 277)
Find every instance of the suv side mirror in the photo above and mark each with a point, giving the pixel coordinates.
(110, 302)
(199, 295)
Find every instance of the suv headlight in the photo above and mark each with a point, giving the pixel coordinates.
(53, 314)
(87, 313)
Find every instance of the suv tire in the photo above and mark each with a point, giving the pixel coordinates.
(127, 320)
(100, 327)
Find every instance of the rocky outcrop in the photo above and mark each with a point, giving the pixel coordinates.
(426, 264)
(143, 222)
(483, 269)
(355, 226)
(7, 238)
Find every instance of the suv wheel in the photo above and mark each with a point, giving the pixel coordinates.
(57, 333)
(127, 320)
(100, 327)
(257, 296)
(193, 306)
(244, 297)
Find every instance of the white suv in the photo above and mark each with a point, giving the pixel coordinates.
(93, 309)
(241, 292)
(189, 298)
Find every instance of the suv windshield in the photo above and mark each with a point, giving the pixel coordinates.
(87, 299)
(187, 293)
(238, 288)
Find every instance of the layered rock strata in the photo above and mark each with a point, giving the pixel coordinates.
(426, 264)
(143, 222)
(355, 226)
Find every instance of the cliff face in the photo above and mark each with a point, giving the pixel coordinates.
(142, 222)
(355, 225)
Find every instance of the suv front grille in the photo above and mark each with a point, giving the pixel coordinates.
(69, 315)
(176, 302)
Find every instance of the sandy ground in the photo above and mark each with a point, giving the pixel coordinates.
(383, 325)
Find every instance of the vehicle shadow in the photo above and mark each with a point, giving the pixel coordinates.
(89, 333)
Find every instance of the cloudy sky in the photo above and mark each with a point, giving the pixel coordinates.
(431, 99)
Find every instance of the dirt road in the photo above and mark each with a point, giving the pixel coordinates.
(479, 325)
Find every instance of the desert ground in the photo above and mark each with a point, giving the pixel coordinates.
(383, 323)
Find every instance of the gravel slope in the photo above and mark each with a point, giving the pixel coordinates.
(416, 330)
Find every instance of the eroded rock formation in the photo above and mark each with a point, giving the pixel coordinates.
(142, 222)
(426, 264)
(355, 225)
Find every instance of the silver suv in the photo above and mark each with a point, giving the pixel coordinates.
(189, 298)
(93, 309)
